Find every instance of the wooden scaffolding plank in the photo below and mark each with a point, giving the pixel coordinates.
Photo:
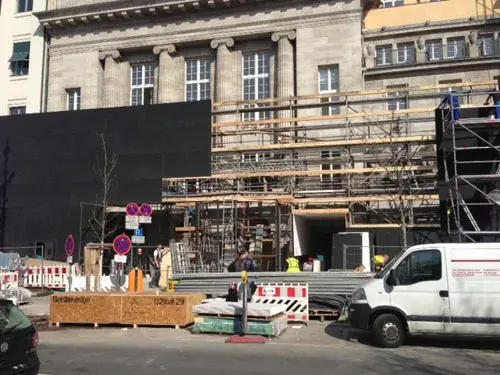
(358, 93)
(185, 229)
(385, 226)
(324, 144)
(320, 211)
(315, 172)
(286, 198)
(394, 113)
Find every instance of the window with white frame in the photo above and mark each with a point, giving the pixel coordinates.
(392, 3)
(197, 79)
(330, 161)
(20, 110)
(455, 48)
(485, 45)
(24, 6)
(452, 89)
(73, 99)
(400, 95)
(142, 83)
(256, 81)
(406, 53)
(328, 81)
(383, 55)
(434, 50)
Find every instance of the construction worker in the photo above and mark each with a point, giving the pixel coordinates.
(293, 265)
(380, 261)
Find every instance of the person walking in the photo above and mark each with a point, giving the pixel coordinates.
(155, 267)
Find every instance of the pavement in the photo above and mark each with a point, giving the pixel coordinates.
(322, 348)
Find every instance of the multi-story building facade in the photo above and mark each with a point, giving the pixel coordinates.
(22, 57)
(314, 56)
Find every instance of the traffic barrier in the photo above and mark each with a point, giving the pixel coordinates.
(79, 284)
(8, 280)
(294, 296)
(52, 277)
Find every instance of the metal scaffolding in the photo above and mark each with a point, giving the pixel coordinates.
(471, 164)
(372, 154)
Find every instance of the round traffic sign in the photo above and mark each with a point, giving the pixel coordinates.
(146, 209)
(122, 244)
(69, 246)
(132, 209)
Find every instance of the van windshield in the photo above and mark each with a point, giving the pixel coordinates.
(12, 318)
(388, 266)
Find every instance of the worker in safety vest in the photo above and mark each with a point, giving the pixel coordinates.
(293, 265)
(380, 261)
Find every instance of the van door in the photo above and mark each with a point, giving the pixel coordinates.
(421, 290)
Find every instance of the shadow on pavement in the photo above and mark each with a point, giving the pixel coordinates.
(343, 331)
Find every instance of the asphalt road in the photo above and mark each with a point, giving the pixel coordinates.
(317, 348)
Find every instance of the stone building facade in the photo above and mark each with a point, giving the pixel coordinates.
(119, 53)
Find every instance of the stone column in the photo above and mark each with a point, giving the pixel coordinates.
(223, 81)
(166, 73)
(285, 77)
(112, 87)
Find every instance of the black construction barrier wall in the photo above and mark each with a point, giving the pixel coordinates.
(52, 157)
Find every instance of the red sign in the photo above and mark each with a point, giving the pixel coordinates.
(122, 244)
(146, 209)
(132, 209)
(69, 246)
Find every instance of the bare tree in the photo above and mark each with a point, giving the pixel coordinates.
(105, 168)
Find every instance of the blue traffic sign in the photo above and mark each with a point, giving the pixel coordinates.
(132, 209)
(139, 232)
(69, 246)
(122, 244)
(146, 209)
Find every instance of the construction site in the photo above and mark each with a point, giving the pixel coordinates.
(291, 175)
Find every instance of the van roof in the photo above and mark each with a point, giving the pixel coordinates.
(456, 245)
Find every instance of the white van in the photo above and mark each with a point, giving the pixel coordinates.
(443, 288)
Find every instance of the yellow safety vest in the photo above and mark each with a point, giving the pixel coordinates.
(293, 265)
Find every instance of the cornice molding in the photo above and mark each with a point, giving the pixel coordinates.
(203, 35)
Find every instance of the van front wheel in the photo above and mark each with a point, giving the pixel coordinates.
(389, 331)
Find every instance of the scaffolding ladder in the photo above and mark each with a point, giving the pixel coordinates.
(228, 236)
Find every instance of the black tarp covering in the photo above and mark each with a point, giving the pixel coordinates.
(54, 157)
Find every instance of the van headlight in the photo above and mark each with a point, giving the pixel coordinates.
(358, 295)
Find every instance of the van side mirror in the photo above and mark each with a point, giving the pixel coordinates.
(392, 279)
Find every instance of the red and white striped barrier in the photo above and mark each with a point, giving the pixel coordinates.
(294, 296)
(52, 277)
(8, 280)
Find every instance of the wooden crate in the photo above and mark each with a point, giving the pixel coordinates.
(164, 309)
(91, 308)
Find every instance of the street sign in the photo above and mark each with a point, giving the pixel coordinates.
(122, 244)
(139, 239)
(69, 260)
(146, 209)
(120, 258)
(132, 209)
(144, 219)
(139, 232)
(69, 246)
(132, 222)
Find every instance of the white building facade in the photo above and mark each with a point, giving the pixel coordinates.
(22, 57)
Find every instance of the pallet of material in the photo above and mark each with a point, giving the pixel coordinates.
(233, 325)
(136, 309)
(226, 318)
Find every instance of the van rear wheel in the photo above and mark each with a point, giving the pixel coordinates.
(389, 331)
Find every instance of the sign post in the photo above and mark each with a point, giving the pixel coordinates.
(122, 245)
(69, 248)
